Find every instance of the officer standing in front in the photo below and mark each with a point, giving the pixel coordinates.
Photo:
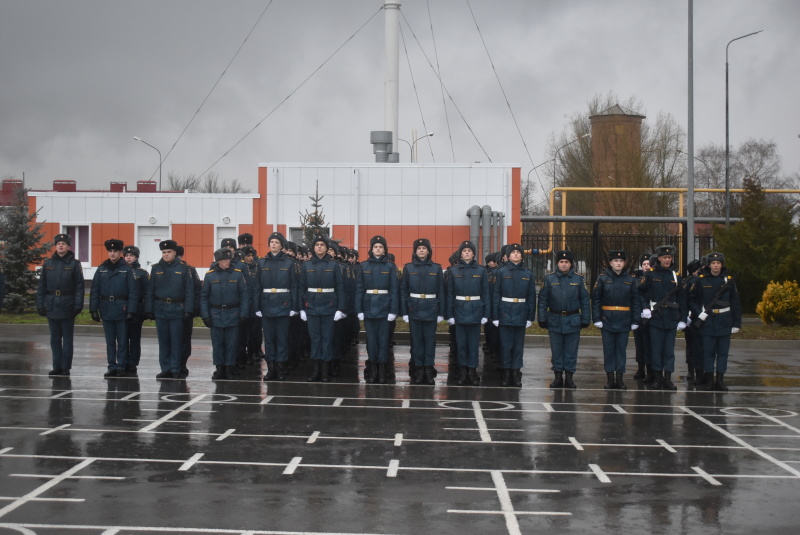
(188, 322)
(665, 308)
(115, 300)
(564, 311)
(142, 278)
(170, 301)
(59, 297)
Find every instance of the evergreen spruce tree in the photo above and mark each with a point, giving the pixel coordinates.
(21, 239)
(313, 224)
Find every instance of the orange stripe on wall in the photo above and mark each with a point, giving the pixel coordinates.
(107, 231)
(197, 241)
(515, 227)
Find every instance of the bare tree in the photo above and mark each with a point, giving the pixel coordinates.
(210, 184)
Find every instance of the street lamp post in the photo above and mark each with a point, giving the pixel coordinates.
(727, 136)
(555, 158)
(411, 145)
(159, 158)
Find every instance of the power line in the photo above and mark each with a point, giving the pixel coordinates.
(439, 72)
(416, 94)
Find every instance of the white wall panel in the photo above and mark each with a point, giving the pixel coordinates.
(393, 213)
(308, 181)
(375, 208)
(427, 209)
(477, 181)
(394, 180)
(177, 210)
(410, 181)
(143, 210)
(341, 210)
(444, 182)
(289, 178)
(409, 209)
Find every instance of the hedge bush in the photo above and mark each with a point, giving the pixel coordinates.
(780, 303)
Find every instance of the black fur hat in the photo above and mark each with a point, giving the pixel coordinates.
(565, 254)
(617, 253)
(131, 249)
(223, 253)
(382, 241)
(114, 245)
(228, 242)
(275, 236)
(63, 237)
(168, 244)
(245, 239)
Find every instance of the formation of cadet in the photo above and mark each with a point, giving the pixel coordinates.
(310, 304)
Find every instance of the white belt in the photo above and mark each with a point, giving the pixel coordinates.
(513, 299)
(424, 296)
(377, 291)
(275, 290)
(720, 310)
(468, 298)
(321, 290)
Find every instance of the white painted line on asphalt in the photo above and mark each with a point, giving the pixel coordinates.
(705, 475)
(192, 460)
(486, 419)
(398, 439)
(476, 408)
(267, 400)
(473, 429)
(10, 499)
(548, 407)
(53, 430)
(60, 528)
(171, 414)
(338, 402)
(47, 476)
(775, 420)
(619, 409)
(110, 531)
(62, 394)
(394, 466)
(45, 487)
(5, 450)
(574, 442)
(225, 435)
(313, 438)
(129, 396)
(406, 404)
(734, 424)
(292, 466)
(505, 503)
(742, 442)
(517, 513)
(770, 436)
(492, 489)
(599, 473)
(666, 446)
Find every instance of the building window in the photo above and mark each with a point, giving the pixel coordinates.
(80, 241)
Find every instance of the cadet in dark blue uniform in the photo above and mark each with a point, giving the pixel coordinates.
(188, 321)
(59, 297)
(720, 313)
(641, 336)
(468, 308)
(114, 299)
(224, 305)
(694, 340)
(321, 288)
(616, 310)
(142, 279)
(564, 310)
(377, 302)
(422, 302)
(170, 300)
(513, 311)
(664, 306)
(275, 289)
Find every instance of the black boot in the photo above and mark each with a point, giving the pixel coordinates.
(219, 374)
(639, 372)
(325, 376)
(690, 374)
(667, 383)
(699, 376)
(620, 384)
(412, 370)
(708, 380)
(568, 382)
(335, 368)
(430, 374)
(474, 378)
(612, 381)
(657, 381)
(231, 372)
(516, 378)
(271, 371)
(316, 375)
(650, 376)
(719, 385)
(368, 377)
(419, 376)
(382, 373)
(280, 371)
(506, 377)
(462, 376)
(558, 382)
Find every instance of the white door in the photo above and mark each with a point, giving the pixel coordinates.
(149, 238)
(225, 232)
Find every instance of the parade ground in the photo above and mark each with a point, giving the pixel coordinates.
(86, 455)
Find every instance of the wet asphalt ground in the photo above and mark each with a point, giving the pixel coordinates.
(85, 455)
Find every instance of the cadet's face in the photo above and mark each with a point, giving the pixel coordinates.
(467, 255)
(62, 248)
(646, 265)
(564, 265)
(320, 249)
(617, 264)
(248, 259)
(715, 267)
(378, 249)
(224, 264)
(275, 246)
(665, 261)
(422, 252)
(130, 258)
(515, 256)
(168, 255)
(114, 255)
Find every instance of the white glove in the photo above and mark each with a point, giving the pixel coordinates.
(451, 321)
(634, 327)
(681, 325)
(484, 320)
(702, 316)
(361, 316)
(689, 320)
(734, 330)
(392, 317)
(646, 314)
(303, 315)
(496, 323)
(598, 324)
(528, 324)
(259, 314)
(439, 319)
(292, 313)
(339, 315)
(405, 318)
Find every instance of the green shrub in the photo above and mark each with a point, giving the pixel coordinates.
(780, 303)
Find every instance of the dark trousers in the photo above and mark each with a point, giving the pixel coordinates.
(224, 342)
(135, 341)
(116, 332)
(512, 343)
(468, 338)
(694, 348)
(716, 348)
(254, 336)
(423, 342)
(565, 351)
(170, 336)
(186, 341)
(644, 353)
(614, 347)
(276, 337)
(377, 339)
(662, 342)
(61, 334)
(320, 330)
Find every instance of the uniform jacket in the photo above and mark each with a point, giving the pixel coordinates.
(224, 288)
(703, 291)
(612, 290)
(513, 281)
(422, 277)
(279, 272)
(60, 291)
(197, 285)
(564, 302)
(142, 279)
(170, 281)
(468, 280)
(655, 284)
(377, 274)
(115, 293)
(321, 273)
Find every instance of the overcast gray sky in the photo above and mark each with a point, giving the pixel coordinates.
(80, 78)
